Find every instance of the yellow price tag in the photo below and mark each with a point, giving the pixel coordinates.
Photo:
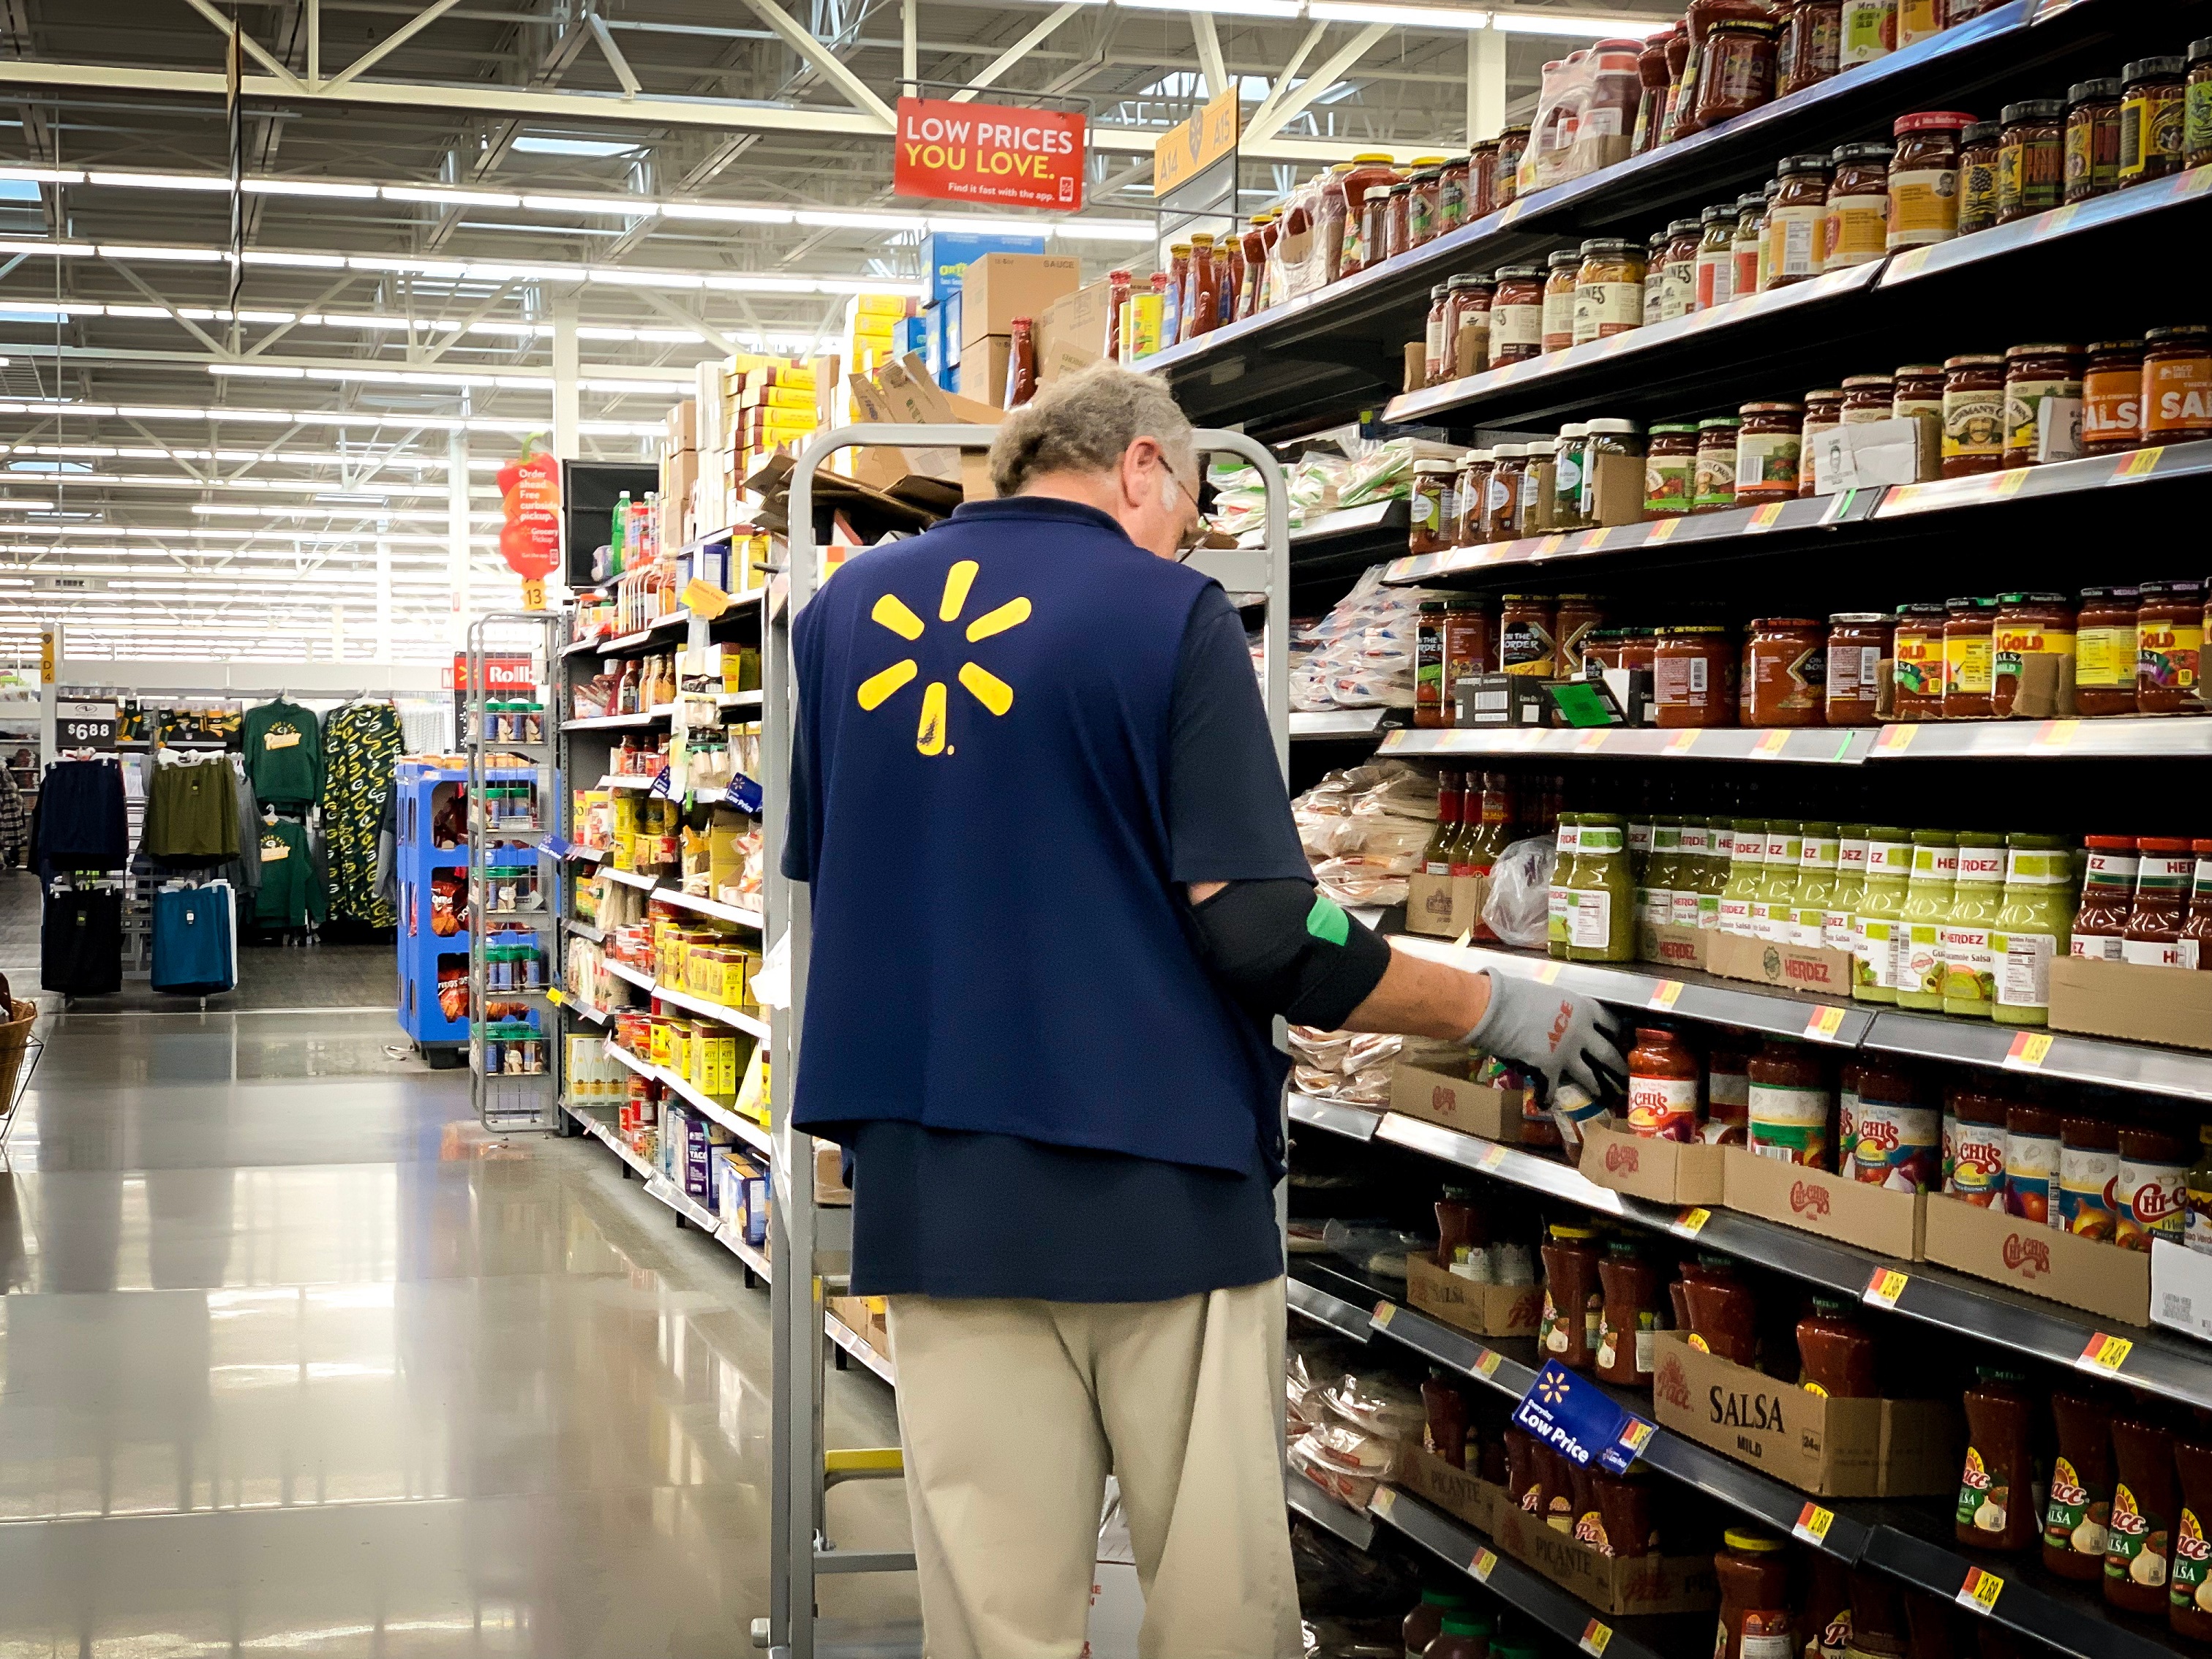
(1770, 744)
(1824, 1025)
(1595, 1637)
(1690, 1223)
(2139, 463)
(2195, 182)
(2054, 735)
(2007, 482)
(1385, 1313)
(1594, 539)
(1636, 1436)
(1485, 1564)
(704, 598)
(2028, 1051)
(1661, 532)
(1665, 994)
(1812, 1524)
(1910, 263)
(2057, 219)
(1493, 1155)
(1766, 516)
(1549, 973)
(1589, 743)
(1980, 1592)
(1894, 740)
(1550, 545)
(2105, 1353)
(1384, 1497)
(1487, 1366)
(1884, 1288)
(553, 996)
(1682, 742)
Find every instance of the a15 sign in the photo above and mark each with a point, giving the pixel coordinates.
(85, 725)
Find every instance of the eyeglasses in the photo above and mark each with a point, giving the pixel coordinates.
(1194, 533)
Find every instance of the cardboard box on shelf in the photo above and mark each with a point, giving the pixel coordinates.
(1829, 1447)
(902, 392)
(1678, 947)
(1071, 333)
(684, 424)
(2132, 1001)
(983, 369)
(1785, 967)
(2091, 1273)
(1663, 1171)
(1849, 1212)
(1445, 906)
(1474, 1109)
(1001, 287)
(1618, 1585)
(1469, 1305)
(830, 1186)
(946, 255)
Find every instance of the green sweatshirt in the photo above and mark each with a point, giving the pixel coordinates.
(291, 887)
(283, 753)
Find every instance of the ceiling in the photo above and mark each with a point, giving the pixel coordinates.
(432, 200)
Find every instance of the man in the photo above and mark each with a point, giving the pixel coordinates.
(1057, 897)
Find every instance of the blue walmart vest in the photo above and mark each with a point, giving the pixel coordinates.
(998, 946)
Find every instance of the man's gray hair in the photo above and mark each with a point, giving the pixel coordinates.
(1086, 424)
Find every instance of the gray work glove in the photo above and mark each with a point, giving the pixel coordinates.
(1560, 1033)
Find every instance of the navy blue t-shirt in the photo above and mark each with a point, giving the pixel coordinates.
(957, 1213)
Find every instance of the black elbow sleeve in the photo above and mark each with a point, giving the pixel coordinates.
(1278, 947)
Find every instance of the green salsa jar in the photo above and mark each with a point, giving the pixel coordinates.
(1882, 903)
(1928, 895)
(1555, 931)
(1601, 893)
(2033, 925)
(1817, 875)
(1963, 941)
(1774, 909)
(1746, 867)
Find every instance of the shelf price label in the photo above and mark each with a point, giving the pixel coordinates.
(1492, 1156)
(1550, 545)
(1594, 539)
(1683, 741)
(1690, 1223)
(1884, 1288)
(1549, 973)
(1894, 740)
(1665, 994)
(1824, 1025)
(1382, 1503)
(1589, 743)
(1385, 1313)
(554, 996)
(1662, 531)
(2028, 1051)
(1486, 1367)
(1485, 1564)
(2104, 1355)
(1595, 1637)
(1812, 1524)
(1980, 1592)
(1766, 517)
(1771, 743)
(2054, 737)
(2138, 464)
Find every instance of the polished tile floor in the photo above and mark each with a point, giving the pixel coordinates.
(295, 1358)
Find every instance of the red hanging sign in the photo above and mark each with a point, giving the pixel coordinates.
(530, 507)
(989, 153)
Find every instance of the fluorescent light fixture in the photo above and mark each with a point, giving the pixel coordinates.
(1282, 8)
(641, 208)
(439, 196)
(44, 175)
(205, 256)
(857, 219)
(256, 371)
(1412, 17)
(1103, 230)
(255, 256)
(616, 275)
(208, 181)
(599, 148)
(1575, 26)
(729, 212)
(26, 245)
(306, 187)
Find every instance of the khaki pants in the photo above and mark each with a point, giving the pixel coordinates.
(1013, 1412)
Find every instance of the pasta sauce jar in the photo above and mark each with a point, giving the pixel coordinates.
(2111, 397)
(1973, 415)
(1788, 672)
(1923, 179)
(1516, 315)
(1715, 479)
(1669, 470)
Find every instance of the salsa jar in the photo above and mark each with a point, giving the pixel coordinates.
(2092, 139)
(1969, 659)
(1858, 643)
(1858, 207)
(1429, 692)
(2169, 645)
(1836, 1354)
(1768, 442)
(1917, 645)
(2108, 892)
(2040, 381)
(1810, 47)
(1467, 651)
(1470, 306)
(1791, 1106)
(1663, 1093)
(1693, 676)
(1652, 81)
(1867, 398)
(1919, 393)
(1516, 315)
(1425, 206)
(1454, 196)
(1628, 1311)
(2139, 1538)
(1748, 242)
(1824, 411)
(1654, 278)
(1715, 274)
(1788, 672)
(1973, 415)
(1755, 1619)
(1714, 486)
(1678, 276)
(1526, 636)
(1670, 466)
(1473, 488)
(1869, 31)
(1578, 614)
(1438, 323)
(1501, 501)
(1433, 508)
(1573, 1298)
(1608, 290)
(1977, 176)
(2153, 117)
(1512, 145)
(2111, 397)
(1559, 301)
(2177, 395)
(2031, 158)
(1996, 1501)
(1736, 69)
(1923, 178)
(1797, 222)
(2104, 650)
(2027, 626)
(2196, 130)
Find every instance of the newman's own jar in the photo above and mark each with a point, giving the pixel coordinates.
(1788, 671)
(2111, 397)
(1797, 222)
(2105, 652)
(1715, 480)
(2092, 139)
(2177, 395)
(1516, 315)
(1670, 468)
(1768, 443)
(1858, 645)
(1923, 178)
(2042, 405)
(1973, 415)
(1693, 676)
(2031, 158)
(1977, 177)
(1858, 207)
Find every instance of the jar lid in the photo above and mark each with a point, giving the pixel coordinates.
(1971, 359)
(1446, 468)
(2167, 844)
(1567, 1229)
(1179, 250)
(2200, 51)
(1714, 216)
(1564, 258)
(1932, 120)
(2033, 598)
(2098, 348)
(1542, 447)
(1772, 409)
(1767, 625)
(1980, 133)
(1675, 630)
(1924, 370)
(1451, 162)
(1672, 426)
(1719, 423)
(1423, 174)
(2042, 109)
(2012, 352)
(1482, 457)
(1520, 273)
(1747, 26)
(1201, 239)
(1857, 619)
(1509, 452)
(2122, 595)
(1428, 160)
(1371, 157)
(1819, 164)
(2104, 90)
(1751, 199)
(1980, 838)
(1600, 246)
(1925, 608)
(2185, 589)
(1681, 228)
(1608, 425)
(2152, 68)
(1574, 428)
(1520, 127)
(2110, 843)
(1466, 284)
(1869, 150)
(2180, 333)
(1750, 1542)
(1862, 381)
(1970, 604)
(1935, 838)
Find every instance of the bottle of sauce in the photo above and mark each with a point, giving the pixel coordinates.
(1923, 179)
(1201, 290)
(1601, 894)
(2169, 649)
(2074, 1536)
(1343, 210)
(1835, 1352)
(1021, 363)
(1974, 1169)
(1838, 926)
(1791, 1106)
(2111, 399)
(1117, 297)
(1568, 843)
(1663, 1096)
(2031, 927)
(1967, 965)
(1724, 1313)
(1917, 654)
(1464, 1634)
(1896, 1133)
(1774, 909)
(1797, 222)
(1881, 904)
(2153, 935)
(1817, 876)
(1997, 1506)
(2195, 945)
(1755, 1604)
(2101, 924)
(2031, 1169)
(2105, 652)
(1567, 1330)
(2089, 1177)
(1746, 871)
(1624, 1508)
(1460, 1226)
(2139, 1544)
(2027, 625)
(1559, 300)
(1973, 415)
(1628, 1313)
(1426, 1622)
(1928, 900)
(2092, 139)
(2148, 1195)
(2188, 1601)
(2152, 119)
(1444, 1413)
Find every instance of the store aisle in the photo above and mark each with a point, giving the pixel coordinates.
(296, 1357)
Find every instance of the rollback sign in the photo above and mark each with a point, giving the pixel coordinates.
(989, 153)
(1580, 1421)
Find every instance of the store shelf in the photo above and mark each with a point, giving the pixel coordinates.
(625, 782)
(1339, 1118)
(584, 930)
(1344, 1318)
(585, 854)
(629, 975)
(619, 722)
(2112, 737)
(723, 1011)
(1807, 745)
(2072, 1619)
(743, 1127)
(658, 634)
(1573, 1622)
(737, 700)
(1353, 1526)
(1338, 723)
(706, 906)
(855, 1345)
(2135, 1066)
(1345, 541)
(643, 881)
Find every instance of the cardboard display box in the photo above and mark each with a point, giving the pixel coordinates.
(2181, 1289)
(2129, 1000)
(901, 392)
(2095, 1274)
(1001, 287)
(1785, 967)
(1071, 334)
(1474, 1109)
(1466, 1305)
(1616, 1585)
(830, 1186)
(983, 369)
(1675, 947)
(1445, 906)
(1849, 1212)
(1830, 1448)
(1663, 1171)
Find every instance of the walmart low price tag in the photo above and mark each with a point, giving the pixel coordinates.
(555, 846)
(1385, 1313)
(1385, 1497)
(2139, 464)
(2104, 1355)
(1662, 531)
(1770, 744)
(1894, 740)
(1824, 1025)
(1980, 1592)
(744, 794)
(1492, 1156)
(1884, 1288)
(1580, 1421)
(1812, 1524)
(1549, 973)
(1486, 1367)
(661, 784)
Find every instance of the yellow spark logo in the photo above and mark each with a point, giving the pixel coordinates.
(987, 687)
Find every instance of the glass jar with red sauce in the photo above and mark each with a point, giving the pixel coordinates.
(1736, 70)
(1753, 1571)
(1978, 147)
(1858, 645)
(2105, 652)
(1678, 270)
(1673, 109)
(1374, 231)
(1973, 415)
(1201, 290)
(1797, 222)
(2177, 395)
(1397, 220)
(1623, 1509)
(2111, 397)
(1501, 499)
(1521, 1470)
(1573, 1298)
(2195, 940)
(2139, 1538)
(1473, 493)
(1835, 1352)
(1251, 286)
(1454, 194)
(1693, 676)
(1460, 1224)
(1809, 51)
(1788, 672)
(1969, 659)
(1118, 284)
(2169, 649)
(2192, 1460)
(1768, 447)
(1923, 178)
(1651, 90)
(2108, 897)
(2031, 158)
(1823, 412)
(1516, 315)
(1512, 145)
(1663, 1093)
(1482, 180)
(1467, 650)
(1858, 207)
(2080, 1501)
(1559, 284)
(2036, 375)
(2092, 139)
(1628, 1315)
(1723, 1310)
(1715, 479)
(1425, 206)
(1996, 1501)
(1344, 211)
(2027, 625)
(2160, 903)
(1918, 653)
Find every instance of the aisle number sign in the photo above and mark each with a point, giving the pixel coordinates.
(1188, 150)
(989, 153)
